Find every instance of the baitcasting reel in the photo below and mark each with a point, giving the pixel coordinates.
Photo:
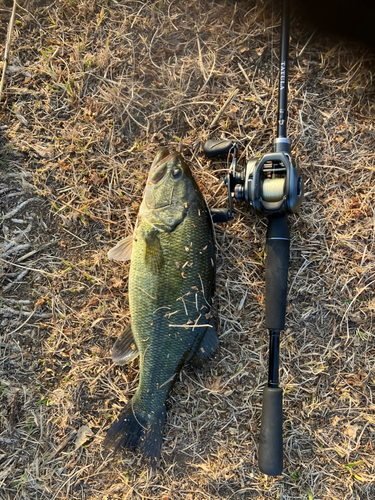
(272, 183)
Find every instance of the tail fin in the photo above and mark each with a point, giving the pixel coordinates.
(134, 428)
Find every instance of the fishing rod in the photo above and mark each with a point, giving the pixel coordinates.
(272, 184)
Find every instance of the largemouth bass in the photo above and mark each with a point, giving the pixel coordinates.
(171, 285)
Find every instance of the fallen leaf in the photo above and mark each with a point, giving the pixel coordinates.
(94, 323)
(83, 434)
(335, 421)
(351, 431)
(43, 151)
(216, 385)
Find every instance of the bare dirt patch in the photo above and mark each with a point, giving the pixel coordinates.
(93, 90)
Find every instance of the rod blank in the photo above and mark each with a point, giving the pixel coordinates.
(282, 112)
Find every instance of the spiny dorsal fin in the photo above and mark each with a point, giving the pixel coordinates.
(124, 349)
(123, 250)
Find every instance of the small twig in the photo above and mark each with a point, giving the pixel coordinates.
(354, 299)
(9, 311)
(227, 102)
(306, 44)
(167, 381)
(251, 84)
(245, 75)
(91, 216)
(26, 256)
(148, 295)
(7, 46)
(19, 277)
(191, 326)
(16, 249)
(23, 324)
(64, 443)
(17, 209)
(201, 59)
(29, 268)
(209, 76)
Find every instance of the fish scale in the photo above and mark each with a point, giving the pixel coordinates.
(171, 285)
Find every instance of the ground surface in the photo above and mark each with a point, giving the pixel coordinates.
(93, 90)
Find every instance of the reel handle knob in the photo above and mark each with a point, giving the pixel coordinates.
(220, 214)
(214, 148)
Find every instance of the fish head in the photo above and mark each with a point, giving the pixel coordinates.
(170, 190)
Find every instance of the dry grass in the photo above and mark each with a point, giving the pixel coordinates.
(93, 89)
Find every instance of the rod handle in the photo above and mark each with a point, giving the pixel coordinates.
(270, 453)
(277, 262)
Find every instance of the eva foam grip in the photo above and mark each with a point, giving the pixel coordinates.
(277, 261)
(270, 453)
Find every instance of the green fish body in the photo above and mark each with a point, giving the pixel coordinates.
(171, 285)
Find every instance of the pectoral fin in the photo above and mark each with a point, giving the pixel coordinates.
(207, 347)
(124, 349)
(123, 250)
(154, 258)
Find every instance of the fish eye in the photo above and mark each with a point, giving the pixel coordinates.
(176, 173)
